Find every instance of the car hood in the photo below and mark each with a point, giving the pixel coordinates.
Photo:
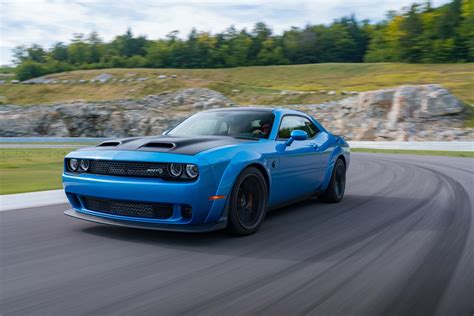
(171, 144)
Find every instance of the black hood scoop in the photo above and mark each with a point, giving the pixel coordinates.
(172, 144)
(117, 142)
(109, 144)
(159, 145)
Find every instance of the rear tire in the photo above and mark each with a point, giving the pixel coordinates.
(336, 188)
(248, 203)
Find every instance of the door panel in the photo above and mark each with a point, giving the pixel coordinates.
(300, 169)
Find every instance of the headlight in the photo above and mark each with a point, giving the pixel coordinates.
(176, 169)
(84, 165)
(192, 171)
(73, 164)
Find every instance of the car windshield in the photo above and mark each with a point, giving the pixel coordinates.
(237, 123)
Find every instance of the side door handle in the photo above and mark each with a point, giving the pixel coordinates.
(315, 146)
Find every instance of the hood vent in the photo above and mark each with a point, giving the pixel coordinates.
(159, 145)
(109, 144)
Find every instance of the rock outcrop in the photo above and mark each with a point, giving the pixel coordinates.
(426, 112)
(423, 112)
(116, 118)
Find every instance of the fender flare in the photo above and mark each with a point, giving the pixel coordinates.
(338, 152)
(239, 163)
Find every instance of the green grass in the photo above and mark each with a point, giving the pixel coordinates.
(27, 170)
(256, 85)
(469, 154)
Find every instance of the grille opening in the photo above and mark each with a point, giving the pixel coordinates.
(128, 208)
(120, 168)
(109, 144)
(186, 212)
(128, 169)
(159, 145)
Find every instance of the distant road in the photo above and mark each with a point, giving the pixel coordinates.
(400, 243)
(52, 139)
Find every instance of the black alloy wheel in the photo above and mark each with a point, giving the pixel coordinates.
(337, 186)
(248, 203)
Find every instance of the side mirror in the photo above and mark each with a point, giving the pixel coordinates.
(165, 132)
(296, 135)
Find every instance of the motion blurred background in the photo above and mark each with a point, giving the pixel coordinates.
(371, 71)
(394, 77)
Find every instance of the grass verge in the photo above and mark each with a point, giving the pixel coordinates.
(251, 85)
(468, 154)
(28, 170)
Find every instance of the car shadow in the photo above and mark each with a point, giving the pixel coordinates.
(303, 224)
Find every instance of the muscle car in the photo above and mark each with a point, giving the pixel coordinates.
(222, 168)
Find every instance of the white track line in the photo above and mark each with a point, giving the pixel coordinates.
(414, 145)
(33, 199)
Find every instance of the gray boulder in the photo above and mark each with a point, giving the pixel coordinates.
(424, 112)
(102, 78)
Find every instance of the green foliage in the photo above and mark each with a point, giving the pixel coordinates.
(417, 34)
(30, 69)
(423, 34)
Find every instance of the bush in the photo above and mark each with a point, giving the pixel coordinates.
(30, 69)
(136, 61)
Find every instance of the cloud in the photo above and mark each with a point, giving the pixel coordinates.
(48, 21)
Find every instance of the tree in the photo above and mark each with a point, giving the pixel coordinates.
(20, 54)
(78, 50)
(36, 53)
(127, 45)
(59, 51)
(465, 31)
(271, 54)
(95, 48)
(418, 33)
(410, 41)
(29, 69)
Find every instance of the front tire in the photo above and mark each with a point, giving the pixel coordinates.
(248, 203)
(337, 186)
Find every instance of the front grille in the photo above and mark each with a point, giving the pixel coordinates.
(128, 168)
(128, 208)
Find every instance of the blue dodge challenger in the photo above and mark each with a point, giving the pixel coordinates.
(218, 169)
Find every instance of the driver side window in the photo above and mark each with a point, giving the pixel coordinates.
(290, 123)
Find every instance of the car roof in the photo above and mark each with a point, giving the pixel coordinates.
(258, 109)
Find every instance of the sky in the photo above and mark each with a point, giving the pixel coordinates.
(44, 22)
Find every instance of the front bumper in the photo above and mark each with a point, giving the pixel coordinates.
(149, 190)
(196, 228)
(196, 194)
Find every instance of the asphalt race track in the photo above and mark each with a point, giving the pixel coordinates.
(401, 243)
